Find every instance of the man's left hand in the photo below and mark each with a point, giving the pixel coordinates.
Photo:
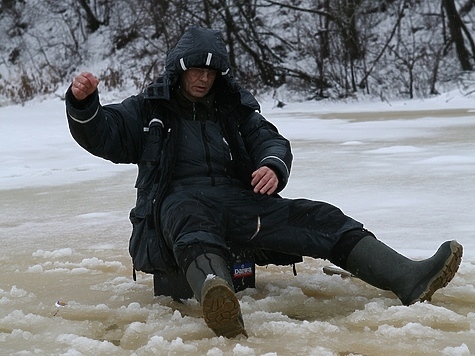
(264, 181)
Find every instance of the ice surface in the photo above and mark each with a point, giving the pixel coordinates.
(404, 169)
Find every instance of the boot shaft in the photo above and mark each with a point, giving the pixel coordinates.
(206, 266)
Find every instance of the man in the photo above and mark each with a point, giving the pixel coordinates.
(210, 170)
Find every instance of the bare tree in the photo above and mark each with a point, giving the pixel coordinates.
(384, 47)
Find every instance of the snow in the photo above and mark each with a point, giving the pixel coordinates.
(404, 168)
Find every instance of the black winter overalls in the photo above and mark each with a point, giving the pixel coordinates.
(205, 208)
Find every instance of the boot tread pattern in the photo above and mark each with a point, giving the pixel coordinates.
(221, 310)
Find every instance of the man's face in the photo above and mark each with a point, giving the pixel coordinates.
(197, 82)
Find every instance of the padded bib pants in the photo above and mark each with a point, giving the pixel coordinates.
(198, 217)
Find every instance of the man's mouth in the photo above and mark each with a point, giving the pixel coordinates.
(200, 88)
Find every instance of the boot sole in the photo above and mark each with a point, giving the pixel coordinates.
(445, 275)
(221, 309)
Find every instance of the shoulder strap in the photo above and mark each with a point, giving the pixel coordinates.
(155, 94)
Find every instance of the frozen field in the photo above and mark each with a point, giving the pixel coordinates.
(406, 170)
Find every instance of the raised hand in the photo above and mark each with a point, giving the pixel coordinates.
(84, 85)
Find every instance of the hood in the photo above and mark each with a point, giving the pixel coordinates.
(198, 47)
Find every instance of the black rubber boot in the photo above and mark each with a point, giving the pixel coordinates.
(210, 281)
(412, 281)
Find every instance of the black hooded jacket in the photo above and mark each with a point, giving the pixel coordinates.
(143, 130)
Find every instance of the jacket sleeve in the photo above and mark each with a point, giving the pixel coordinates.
(267, 147)
(113, 132)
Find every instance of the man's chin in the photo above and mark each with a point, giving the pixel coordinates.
(199, 94)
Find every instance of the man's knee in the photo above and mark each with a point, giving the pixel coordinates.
(191, 245)
(346, 243)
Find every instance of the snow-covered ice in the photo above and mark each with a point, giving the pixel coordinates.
(405, 169)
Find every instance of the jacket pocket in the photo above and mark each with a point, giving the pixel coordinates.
(148, 250)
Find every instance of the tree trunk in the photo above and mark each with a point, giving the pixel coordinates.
(324, 36)
(455, 27)
(92, 22)
(350, 34)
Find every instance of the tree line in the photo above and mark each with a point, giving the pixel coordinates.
(318, 48)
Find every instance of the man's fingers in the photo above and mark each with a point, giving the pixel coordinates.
(267, 188)
(84, 85)
(92, 81)
(256, 177)
(264, 181)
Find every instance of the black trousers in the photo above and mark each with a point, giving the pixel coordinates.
(197, 218)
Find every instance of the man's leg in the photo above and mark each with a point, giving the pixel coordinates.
(320, 230)
(194, 229)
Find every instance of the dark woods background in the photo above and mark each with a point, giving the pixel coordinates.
(317, 48)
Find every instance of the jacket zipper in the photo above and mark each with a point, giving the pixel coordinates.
(205, 137)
